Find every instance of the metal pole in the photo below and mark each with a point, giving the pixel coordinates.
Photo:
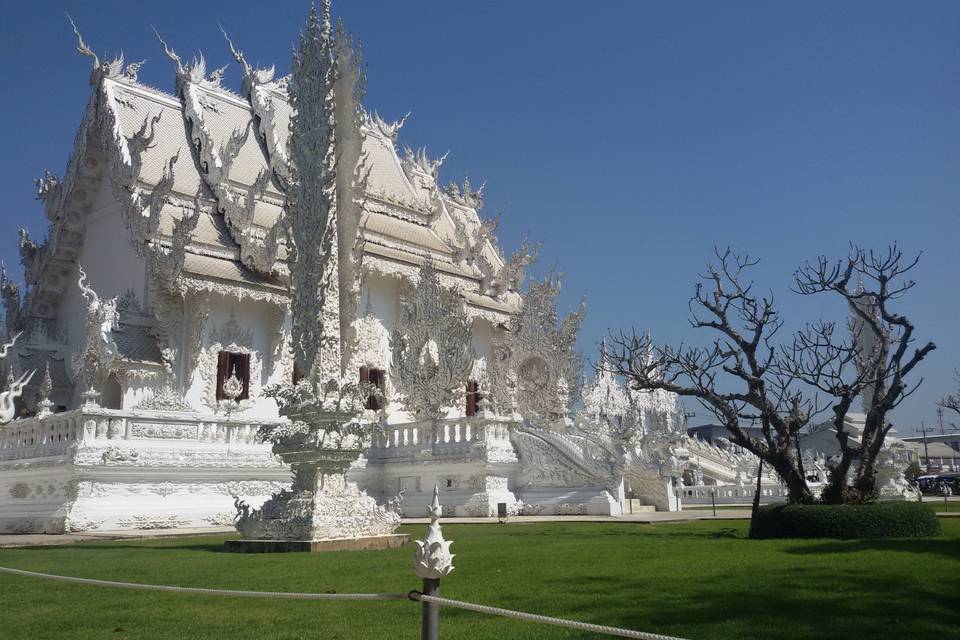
(430, 611)
(431, 561)
(713, 499)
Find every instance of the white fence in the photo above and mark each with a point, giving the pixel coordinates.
(732, 494)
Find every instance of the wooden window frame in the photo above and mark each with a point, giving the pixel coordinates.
(228, 361)
(378, 378)
(473, 398)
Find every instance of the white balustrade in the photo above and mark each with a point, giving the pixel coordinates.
(731, 494)
(49, 435)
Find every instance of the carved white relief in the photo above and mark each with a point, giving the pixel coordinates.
(432, 349)
(536, 368)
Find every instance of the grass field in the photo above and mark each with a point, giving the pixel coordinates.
(695, 580)
(939, 506)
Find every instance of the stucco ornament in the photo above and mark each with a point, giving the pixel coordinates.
(93, 360)
(893, 460)
(44, 404)
(326, 433)
(432, 349)
(259, 247)
(536, 369)
(432, 559)
(311, 202)
(260, 88)
(324, 438)
(15, 387)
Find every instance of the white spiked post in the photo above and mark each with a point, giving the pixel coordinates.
(432, 561)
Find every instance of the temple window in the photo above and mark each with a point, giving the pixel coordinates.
(473, 397)
(112, 395)
(230, 365)
(378, 378)
(297, 373)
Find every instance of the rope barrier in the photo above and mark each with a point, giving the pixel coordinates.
(290, 595)
(532, 617)
(210, 592)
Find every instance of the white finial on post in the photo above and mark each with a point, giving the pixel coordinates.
(432, 559)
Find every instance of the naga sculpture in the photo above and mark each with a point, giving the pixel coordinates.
(7, 407)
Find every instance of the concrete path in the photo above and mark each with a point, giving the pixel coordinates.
(42, 539)
(653, 517)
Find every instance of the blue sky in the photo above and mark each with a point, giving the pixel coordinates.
(630, 137)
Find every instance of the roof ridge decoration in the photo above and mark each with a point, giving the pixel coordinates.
(472, 243)
(167, 264)
(258, 250)
(256, 86)
(422, 174)
(466, 195)
(389, 130)
(421, 161)
(115, 68)
(10, 291)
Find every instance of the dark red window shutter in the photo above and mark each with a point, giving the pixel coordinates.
(364, 374)
(243, 372)
(473, 397)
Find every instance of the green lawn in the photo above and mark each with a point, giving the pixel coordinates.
(940, 507)
(720, 507)
(697, 580)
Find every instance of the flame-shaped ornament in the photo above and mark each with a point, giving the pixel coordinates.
(432, 559)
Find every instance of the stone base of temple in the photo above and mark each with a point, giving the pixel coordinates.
(370, 543)
(98, 469)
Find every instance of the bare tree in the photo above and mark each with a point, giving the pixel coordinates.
(874, 364)
(745, 377)
(952, 401)
(738, 378)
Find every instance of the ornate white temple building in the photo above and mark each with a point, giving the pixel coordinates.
(158, 310)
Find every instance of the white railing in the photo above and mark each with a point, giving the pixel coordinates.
(450, 434)
(732, 494)
(52, 434)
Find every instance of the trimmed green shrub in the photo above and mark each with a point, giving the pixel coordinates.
(877, 520)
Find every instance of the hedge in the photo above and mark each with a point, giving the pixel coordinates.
(877, 520)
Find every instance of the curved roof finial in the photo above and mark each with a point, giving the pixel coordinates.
(82, 47)
(236, 53)
(170, 52)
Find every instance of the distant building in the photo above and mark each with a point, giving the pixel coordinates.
(710, 432)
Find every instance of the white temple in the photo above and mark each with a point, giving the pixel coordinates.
(158, 309)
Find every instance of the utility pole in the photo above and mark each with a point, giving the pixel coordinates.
(940, 418)
(926, 452)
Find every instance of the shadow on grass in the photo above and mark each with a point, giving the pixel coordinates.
(936, 546)
(111, 545)
(801, 605)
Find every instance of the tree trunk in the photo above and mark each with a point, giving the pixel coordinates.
(797, 489)
(865, 479)
(836, 490)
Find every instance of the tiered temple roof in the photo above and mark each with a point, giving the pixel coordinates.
(208, 165)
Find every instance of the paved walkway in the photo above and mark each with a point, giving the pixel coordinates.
(652, 517)
(42, 539)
